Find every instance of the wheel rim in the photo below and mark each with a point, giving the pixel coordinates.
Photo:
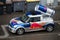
(20, 31)
(50, 28)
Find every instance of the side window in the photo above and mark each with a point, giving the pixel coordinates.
(34, 19)
(44, 16)
(31, 20)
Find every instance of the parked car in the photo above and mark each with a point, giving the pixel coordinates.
(30, 22)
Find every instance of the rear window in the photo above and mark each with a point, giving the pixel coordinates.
(45, 16)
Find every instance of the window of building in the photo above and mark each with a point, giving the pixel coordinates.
(32, 0)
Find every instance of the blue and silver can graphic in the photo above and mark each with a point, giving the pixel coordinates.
(42, 8)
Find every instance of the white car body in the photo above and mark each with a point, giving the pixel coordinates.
(44, 20)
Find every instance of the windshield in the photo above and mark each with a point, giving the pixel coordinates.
(24, 18)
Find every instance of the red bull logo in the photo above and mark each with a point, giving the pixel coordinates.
(36, 25)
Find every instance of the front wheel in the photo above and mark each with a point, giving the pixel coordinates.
(49, 28)
(20, 31)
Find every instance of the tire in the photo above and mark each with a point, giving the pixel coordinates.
(20, 31)
(49, 28)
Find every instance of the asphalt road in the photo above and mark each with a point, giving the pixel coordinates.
(4, 19)
(38, 35)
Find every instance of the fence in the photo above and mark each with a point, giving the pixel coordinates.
(18, 6)
(31, 5)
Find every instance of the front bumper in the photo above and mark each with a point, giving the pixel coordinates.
(13, 30)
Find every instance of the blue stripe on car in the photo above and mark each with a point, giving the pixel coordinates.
(25, 25)
(12, 24)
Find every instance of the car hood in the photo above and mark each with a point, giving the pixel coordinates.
(16, 21)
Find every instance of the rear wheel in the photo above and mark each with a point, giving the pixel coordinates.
(20, 31)
(49, 28)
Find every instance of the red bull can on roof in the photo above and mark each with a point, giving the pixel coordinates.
(44, 10)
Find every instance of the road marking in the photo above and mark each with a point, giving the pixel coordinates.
(57, 21)
(5, 32)
(59, 34)
(5, 25)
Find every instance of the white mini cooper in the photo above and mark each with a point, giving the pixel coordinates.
(28, 23)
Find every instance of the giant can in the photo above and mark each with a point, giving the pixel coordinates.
(42, 9)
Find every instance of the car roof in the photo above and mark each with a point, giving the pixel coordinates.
(34, 15)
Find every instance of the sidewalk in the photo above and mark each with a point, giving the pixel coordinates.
(4, 19)
(1, 31)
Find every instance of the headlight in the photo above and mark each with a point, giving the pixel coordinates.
(15, 26)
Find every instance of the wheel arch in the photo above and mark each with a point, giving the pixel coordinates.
(50, 24)
(20, 28)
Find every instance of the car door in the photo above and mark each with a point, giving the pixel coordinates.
(35, 23)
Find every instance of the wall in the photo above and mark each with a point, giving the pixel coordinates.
(58, 0)
(32, 0)
(50, 1)
(17, 0)
(8, 1)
